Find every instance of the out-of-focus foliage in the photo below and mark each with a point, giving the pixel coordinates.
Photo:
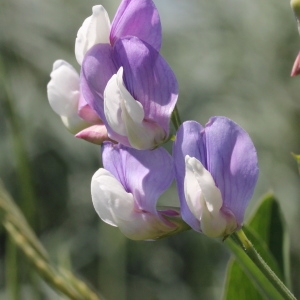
(231, 58)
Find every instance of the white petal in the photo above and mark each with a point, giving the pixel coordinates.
(145, 226)
(94, 30)
(63, 89)
(111, 201)
(192, 191)
(205, 200)
(74, 123)
(206, 183)
(116, 207)
(134, 108)
(112, 106)
(125, 115)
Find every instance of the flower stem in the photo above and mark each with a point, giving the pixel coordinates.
(11, 267)
(176, 118)
(240, 238)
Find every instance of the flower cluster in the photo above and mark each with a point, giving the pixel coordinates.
(123, 99)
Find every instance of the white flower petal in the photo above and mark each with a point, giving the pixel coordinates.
(205, 200)
(125, 115)
(74, 123)
(94, 30)
(112, 203)
(192, 191)
(112, 106)
(145, 226)
(134, 108)
(63, 89)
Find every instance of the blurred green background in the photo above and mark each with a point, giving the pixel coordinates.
(231, 58)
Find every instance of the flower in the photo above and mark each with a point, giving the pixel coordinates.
(138, 18)
(216, 171)
(66, 100)
(123, 76)
(125, 192)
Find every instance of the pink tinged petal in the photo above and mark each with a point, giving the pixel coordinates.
(205, 201)
(63, 89)
(87, 113)
(95, 134)
(94, 30)
(296, 66)
(149, 80)
(232, 161)
(125, 116)
(138, 18)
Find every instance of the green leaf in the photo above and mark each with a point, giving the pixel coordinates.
(238, 285)
(267, 231)
(268, 224)
(262, 248)
(253, 278)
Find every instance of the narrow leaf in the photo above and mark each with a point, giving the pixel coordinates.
(254, 278)
(268, 224)
(266, 230)
(238, 285)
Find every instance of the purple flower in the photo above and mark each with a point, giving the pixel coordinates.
(138, 18)
(216, 172)
(126, 191)
(123, 76)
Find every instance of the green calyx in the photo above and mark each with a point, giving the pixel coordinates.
(180, 225)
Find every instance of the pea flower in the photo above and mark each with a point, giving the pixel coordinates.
(123, 76)
(138, 18)
(126, 190)
(216, 171)
(65, 99)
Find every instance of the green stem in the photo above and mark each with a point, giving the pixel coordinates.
(11, 212)
(41, 266)
(22, 235)
(240, 237)
(176, 118)
(27, 194)
(11, 270)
